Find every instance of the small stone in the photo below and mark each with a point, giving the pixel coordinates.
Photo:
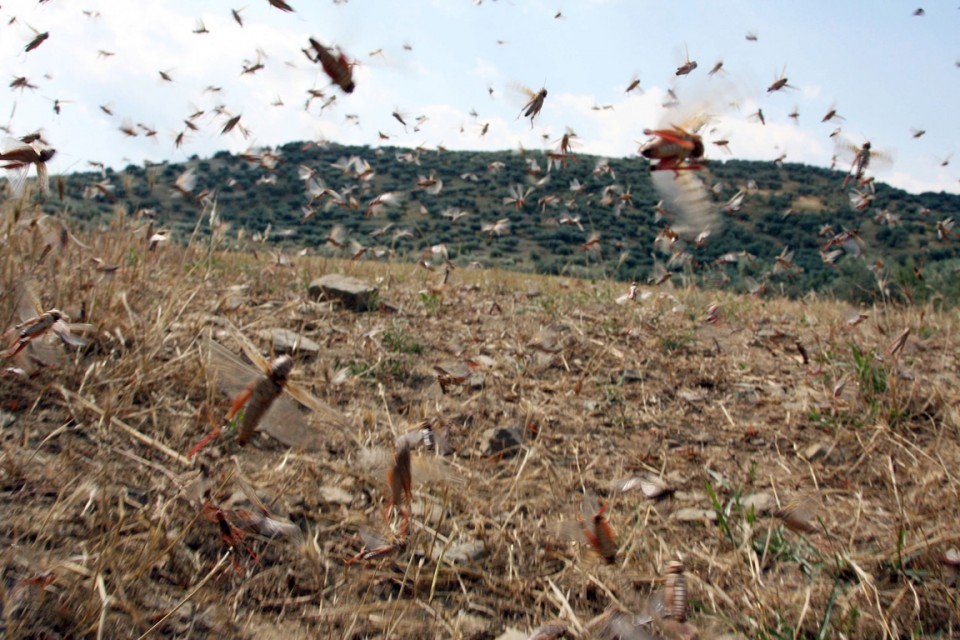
(760, 502)
(692, 395)
(6, 419)
(500, 440)
(286, 341)
(694, 515)
(471, 625)
(815, 451)
(702, 438)
(354, 293)
(464, 552)
(336, 495)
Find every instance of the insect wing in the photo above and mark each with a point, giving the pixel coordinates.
(285, 423)
(251, 352)
(283, 420)
(799, 514)
(28, 305)
(65, 333)
(233, 374)
(685, 194)
(307, 399)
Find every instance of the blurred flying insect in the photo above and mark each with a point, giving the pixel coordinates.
(951, 560)
(688, 65)
(230, 535)
(862, 157)
(674, 149)
(335, 64)
(403, 468)
(634, 84)
(28, 331)
(566, 143)
(22, 82)
(376, 545)
(17, 156)
(860, 200)
(499, 228)
(671, 602)
(400, 477)
(37, 40)
(724, 144)
(399, 117)
(799, 514)
(553, 631)
(257, 397)
(534, 105)
(687, 198)
(680, 149)
(832, 114)
(780, 82)
(616, 624)
(185, 183)
(860, 163)
(258, 389)
(230, 125)
(754, 288)
(945, 229)
(37, 323)
(596, 530)
(899, 342)
(653, 488)
(717, 68)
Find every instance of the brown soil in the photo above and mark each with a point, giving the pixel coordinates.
(108, 530)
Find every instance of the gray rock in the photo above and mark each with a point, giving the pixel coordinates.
(761, 503)
(335, 495)
(286, 341)
(815, 451)
(464, 552)
(470, 625)
(354, 293)
(694, 515)
(501, 441)
(6, 419)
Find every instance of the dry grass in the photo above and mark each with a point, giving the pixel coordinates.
(104, 529)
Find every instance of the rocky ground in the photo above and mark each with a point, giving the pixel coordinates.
(801, 457)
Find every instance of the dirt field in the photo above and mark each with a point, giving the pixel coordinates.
(763, 406)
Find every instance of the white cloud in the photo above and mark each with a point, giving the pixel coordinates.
(153, 36)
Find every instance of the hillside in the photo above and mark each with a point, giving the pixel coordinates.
(787, 209)
(800, 456)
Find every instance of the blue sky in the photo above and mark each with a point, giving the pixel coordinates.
(885, 70)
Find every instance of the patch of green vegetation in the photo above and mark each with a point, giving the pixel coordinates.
(762, 235)
(835, 421)
(871, 376)
(401, 342)
(676, 342)
(432, 301)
